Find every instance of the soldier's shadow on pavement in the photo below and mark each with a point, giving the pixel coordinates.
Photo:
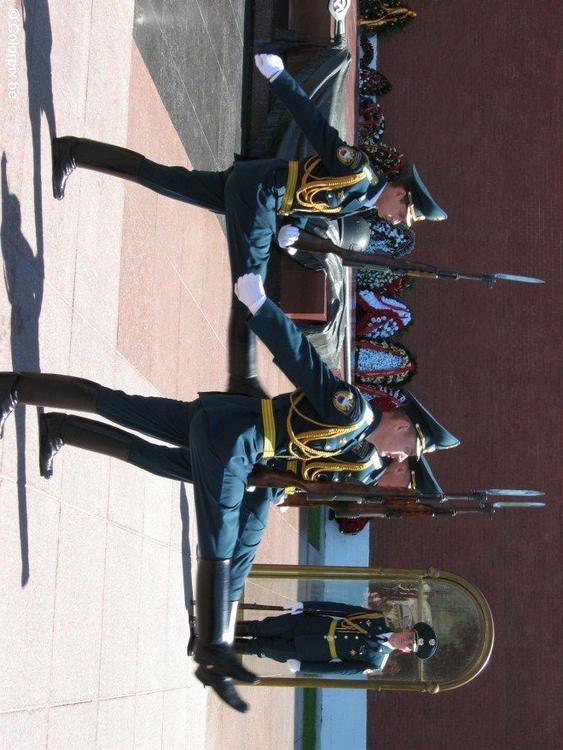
(23, 279)
(38, 44)
(23, 268)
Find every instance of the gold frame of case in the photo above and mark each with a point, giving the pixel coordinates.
(420, 580)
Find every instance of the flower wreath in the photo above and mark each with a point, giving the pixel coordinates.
(386, 239)
(382, 362)
(378, 316)
(371, 82)
(372, 122)
(383, 281)
(383, 397)
(368, 51)
(387, 160)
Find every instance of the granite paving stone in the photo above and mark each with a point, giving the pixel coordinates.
(151, 646)
(148, 721)
(118, 659)
(131, 290)
(126, 496)
(26, 614)
(22, 730)
(157, 506)
(73, 726)
(78, 607)
(116, 723)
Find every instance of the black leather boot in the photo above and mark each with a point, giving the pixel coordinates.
(242, 355)
(69, 153)
(248, 628)
(213, 651)
(56, 430)
(44, 389)
(8, 398)
(223, 687)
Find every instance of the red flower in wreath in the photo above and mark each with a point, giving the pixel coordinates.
(380, 316)
(383, 397)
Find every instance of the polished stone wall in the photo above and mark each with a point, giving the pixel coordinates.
(474, 106)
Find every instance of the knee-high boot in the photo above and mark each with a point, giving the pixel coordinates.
(249, 628)
(242, 355)
(57, 429)
(70, 152)
(218, 665)
(45, 389)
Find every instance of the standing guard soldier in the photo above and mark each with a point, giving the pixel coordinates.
(324, 425)
(332, 638)
(256, 195)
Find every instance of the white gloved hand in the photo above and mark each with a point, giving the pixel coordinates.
(288, 236)
(294, 665)
(250, 291)
(296, 608)
(269, 65)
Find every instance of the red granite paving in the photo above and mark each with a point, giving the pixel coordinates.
(173, 314)
(174, 267)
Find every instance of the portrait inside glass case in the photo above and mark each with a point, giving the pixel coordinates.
(408, 629)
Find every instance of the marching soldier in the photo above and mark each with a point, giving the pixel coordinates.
(325, 425)
(256, 195)
(332, 638)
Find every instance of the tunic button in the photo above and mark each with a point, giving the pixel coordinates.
(357, 637)
(345, 636)
(325, 637)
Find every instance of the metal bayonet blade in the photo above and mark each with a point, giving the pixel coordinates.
(516, 504)
(516, 493)
(521, 279)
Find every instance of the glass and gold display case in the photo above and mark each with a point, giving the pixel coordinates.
(457, 611)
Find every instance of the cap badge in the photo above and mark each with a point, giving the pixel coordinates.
(343, 401)
(347, 155)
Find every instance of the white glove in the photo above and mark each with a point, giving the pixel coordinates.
(296, 608)
(288, 236)
(269, 65)
(250, 291)
(294, 665)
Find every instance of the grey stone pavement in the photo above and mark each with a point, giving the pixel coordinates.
(129, 289)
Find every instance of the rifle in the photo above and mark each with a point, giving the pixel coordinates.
(354, 500)
(310, 243)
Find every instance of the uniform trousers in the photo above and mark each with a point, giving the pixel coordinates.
(249, 194)
(275, 637)
(230, 520)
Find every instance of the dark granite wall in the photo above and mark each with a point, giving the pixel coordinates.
(193, 50)
(475, 104)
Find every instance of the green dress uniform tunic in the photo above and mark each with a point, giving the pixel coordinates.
(327, 637)
(222, 436)
(253, 195)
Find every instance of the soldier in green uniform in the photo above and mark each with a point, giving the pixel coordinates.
(324, 425)
(332, 638)
(255, 196)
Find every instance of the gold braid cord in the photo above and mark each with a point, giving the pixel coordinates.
(311, 186)
(313, 460)
(312, 469)
(392, 14)
(349, 624)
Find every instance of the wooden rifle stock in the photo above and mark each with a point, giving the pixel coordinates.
(351, 499)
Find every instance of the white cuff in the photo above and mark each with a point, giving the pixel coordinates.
(294, 665)
(255, 306)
